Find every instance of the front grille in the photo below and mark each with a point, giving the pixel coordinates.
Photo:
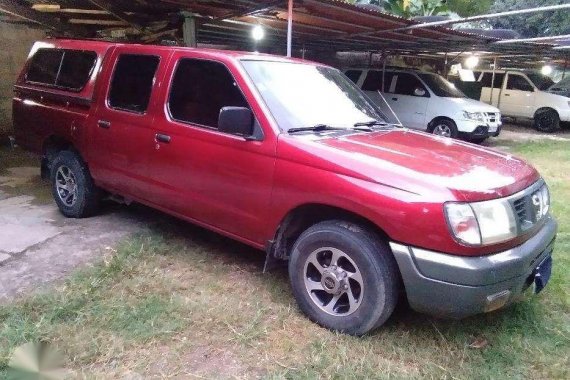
(493, 117)
(524, 207)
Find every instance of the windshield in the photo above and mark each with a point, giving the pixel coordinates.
(303, 96)
(440, 86)
(540, 81)
(564, 84)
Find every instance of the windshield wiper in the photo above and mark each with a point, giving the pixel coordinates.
(316, 128)
(372, 123)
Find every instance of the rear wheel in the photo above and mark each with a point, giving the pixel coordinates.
(546, 120)
(72, 186)
(344, 277)
(445, 128)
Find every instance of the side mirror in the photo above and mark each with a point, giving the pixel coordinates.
(236, 121)
(419, 91)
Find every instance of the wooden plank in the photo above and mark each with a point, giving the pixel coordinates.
(110, 7)
(12, 8)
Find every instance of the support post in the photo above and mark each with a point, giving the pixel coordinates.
(290, 29)
(493, 79)
(189, 30)
(445, 70)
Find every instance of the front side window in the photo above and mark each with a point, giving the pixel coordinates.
(62, 68)
(132, 82)
(200, 89)
(304, 96)
(407, 84)
(518, 82)
(542, 82)
(440, 86)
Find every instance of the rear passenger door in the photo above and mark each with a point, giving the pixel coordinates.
(122, 134)
(491, 90)
(218, 179)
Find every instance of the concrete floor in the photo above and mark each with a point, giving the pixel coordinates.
(38, 245)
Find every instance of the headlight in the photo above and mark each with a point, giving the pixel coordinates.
(545, 195)
(477, 116)
(481, 223)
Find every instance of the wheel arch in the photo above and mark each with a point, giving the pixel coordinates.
(544, 109)
(304, 216)
(51, 146)
(433, 122)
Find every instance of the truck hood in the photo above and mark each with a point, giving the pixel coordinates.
(436, 167)
(471, 105)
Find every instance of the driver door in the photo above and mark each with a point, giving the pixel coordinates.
(517, 97)
(409, 99)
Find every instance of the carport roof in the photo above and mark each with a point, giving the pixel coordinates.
(318, 25)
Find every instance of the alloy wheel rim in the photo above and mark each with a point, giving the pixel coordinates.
(442, 130)
(66, 186)
(333, 281)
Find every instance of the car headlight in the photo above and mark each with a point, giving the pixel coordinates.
(481, 223)
(477, 116)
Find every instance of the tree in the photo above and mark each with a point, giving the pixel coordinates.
(535, 24)
(410, 8)
(466, 8)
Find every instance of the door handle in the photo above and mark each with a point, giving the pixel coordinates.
(162, 138)
(394, 98)
(507, 94)
(104, 124)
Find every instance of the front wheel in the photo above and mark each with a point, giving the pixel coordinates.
(344, 277)
(445, 128)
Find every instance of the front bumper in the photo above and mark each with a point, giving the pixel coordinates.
(476, 129)
(457, 286)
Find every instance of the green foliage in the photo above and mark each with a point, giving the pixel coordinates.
(466, 8)
(532, 25)
(410, 8)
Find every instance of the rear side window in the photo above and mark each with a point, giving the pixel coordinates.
(353, 75)
(373, 81)
(200, 89)
(66, 69)
(487, 78)
(132, 82)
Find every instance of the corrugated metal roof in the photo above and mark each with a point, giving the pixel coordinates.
(319, 25)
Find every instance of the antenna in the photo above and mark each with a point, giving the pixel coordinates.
(390, 108)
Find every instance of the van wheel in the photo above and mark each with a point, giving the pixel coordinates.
(546, 120)
(72, 186)
(445, 128)
(344, 277)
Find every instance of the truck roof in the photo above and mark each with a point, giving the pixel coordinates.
(97, 45)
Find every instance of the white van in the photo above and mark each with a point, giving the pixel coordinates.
(524, 95)
(428, 102)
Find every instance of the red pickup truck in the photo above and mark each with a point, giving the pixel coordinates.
(290, 157)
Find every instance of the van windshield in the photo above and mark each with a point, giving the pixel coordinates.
(303, 96)
(440, 86)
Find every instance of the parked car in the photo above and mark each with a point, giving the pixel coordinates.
(428, 102)
(561, 88)
(292, 158)
(524, 95)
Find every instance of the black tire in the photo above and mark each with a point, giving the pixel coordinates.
(374, 261)
(438, 125)
(546, 120)
(87, 195)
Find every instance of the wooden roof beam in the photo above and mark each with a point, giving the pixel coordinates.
(113, 10)
(12, 8)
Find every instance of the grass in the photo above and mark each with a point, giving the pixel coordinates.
(178, 301)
